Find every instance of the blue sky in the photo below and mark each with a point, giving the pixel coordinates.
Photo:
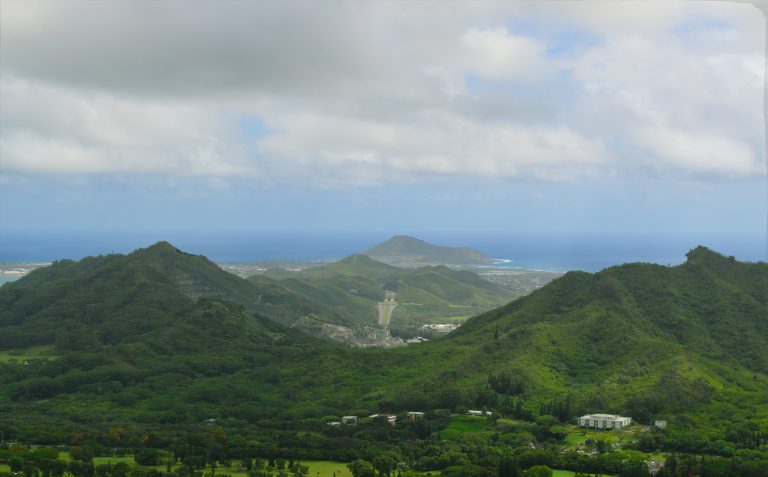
(562, 119)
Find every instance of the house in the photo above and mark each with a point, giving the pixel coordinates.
(349, 419)
(334, 423)
(660, 424)
(391, 420)
(413, 415)
(604, 421)
(478, 413)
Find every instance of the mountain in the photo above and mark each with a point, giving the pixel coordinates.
(106, 300)
(640, 339)
(353, 286)
(403, 250)
(114, 342)
(142, 284)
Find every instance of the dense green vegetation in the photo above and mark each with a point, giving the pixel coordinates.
(119, 352)
(351, 288)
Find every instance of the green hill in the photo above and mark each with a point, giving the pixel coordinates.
(410, 251)
(115, 341)
(144, 279)
(352, 287)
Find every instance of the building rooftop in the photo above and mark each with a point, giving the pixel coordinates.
(605, 417)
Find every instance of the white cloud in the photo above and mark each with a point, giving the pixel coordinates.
(366, 93)
(54, 129)
(434, 144)
(494, 53)
(706, 154)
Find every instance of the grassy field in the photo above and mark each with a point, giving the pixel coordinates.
(465, 426)
(128, 459)
(35, 352)
(4, 468)
(317, 468)
(445, 319)
(324, 468)
(568, 473)
(578, 435)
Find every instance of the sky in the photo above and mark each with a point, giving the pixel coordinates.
(122, 122)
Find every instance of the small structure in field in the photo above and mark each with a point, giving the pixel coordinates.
(349, 419)
(604, 421)
(660, 424)
(413, 415)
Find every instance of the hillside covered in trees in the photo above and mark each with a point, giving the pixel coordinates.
(134, 342)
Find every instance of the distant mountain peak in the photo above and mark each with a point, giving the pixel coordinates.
(407, 250)
(702, 254)
(163, 245)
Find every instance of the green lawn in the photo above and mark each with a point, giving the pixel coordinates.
(317, 468)
(34, 352)
(578, 435)
(128, 459)
(4, 468)
(568, 473)
(463, 425)
(324, 468)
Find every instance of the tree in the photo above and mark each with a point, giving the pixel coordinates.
(361, 468)
(508, 467)
(148, 457)
(538, 471)
(300, 470)
(384, 463)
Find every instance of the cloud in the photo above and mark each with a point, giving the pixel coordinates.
(59, 130)
(429, 144)
(706, 154)
(362, 93)
(494, 53)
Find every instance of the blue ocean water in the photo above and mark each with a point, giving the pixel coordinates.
(547, 252)
(8, 278)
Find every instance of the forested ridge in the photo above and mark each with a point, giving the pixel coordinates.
(118, 342)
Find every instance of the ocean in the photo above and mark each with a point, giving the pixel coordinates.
(546, 252)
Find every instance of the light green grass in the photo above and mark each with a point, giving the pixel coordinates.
(464, 425)
(20, 355)
(128, 459)
(568, 473)
(4, 468)
(325, 468)
(577, 436)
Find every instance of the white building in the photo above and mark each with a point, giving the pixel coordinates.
(413, 415)
(391, 420)
(604, 421)
(349, 419)
(660, 424)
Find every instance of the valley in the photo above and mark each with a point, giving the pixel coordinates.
(166, 345)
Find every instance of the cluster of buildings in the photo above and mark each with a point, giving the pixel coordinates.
(390, 418)
(593, 421)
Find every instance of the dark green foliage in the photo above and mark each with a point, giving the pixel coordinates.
(507, 382)
(135, 348)
(351, 288)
